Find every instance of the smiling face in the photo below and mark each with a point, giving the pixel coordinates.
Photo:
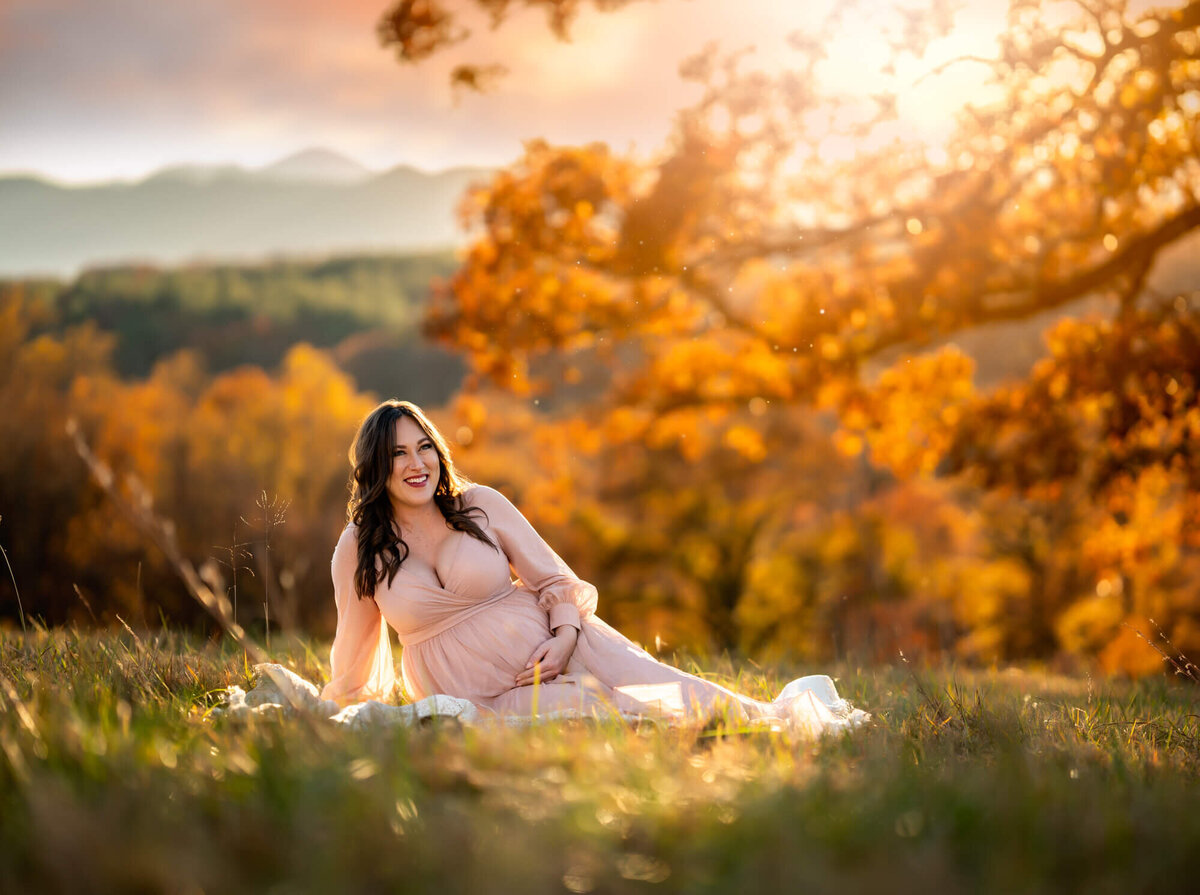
(416, 467)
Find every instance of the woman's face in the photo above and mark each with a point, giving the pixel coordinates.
(415, 466)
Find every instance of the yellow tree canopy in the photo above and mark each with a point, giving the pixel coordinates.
(742, 265)
(683, 301)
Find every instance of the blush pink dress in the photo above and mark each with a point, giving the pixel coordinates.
(471, 634)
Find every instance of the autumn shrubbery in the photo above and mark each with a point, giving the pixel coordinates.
(206, 448)
(1047, 541)
(774, 556)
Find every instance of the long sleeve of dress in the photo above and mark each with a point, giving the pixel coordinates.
(560, 592)
(361, 664)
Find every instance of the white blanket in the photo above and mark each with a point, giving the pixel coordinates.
(809, 706)
(279, 689)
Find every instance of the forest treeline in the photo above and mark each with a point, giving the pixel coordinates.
(365, 309)
(758, 396)
(207, 385)
(773, 539)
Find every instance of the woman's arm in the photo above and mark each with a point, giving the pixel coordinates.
(361, 665)
(560, 591)
(566, 598)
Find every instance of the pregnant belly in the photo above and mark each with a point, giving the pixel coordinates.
(481, 656)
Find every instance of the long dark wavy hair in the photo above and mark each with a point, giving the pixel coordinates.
(370, 508)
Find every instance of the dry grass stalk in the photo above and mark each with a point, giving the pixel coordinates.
(16, 590)
(140, 513)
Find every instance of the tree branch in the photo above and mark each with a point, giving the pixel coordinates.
(1043, 296)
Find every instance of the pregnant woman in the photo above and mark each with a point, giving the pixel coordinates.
(433, 556)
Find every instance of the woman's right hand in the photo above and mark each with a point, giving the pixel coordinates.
(550, 658)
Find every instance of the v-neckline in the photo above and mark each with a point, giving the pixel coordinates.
(437, 565)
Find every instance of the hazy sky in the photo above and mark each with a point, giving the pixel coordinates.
(96, 89)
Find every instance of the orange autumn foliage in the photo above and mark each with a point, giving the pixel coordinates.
(703, 296)
(205, 449)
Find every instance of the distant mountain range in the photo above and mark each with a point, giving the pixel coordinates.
(314, 202)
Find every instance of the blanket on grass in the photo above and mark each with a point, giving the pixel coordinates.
(278, 690)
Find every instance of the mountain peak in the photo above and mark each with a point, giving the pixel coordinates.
(317, 163)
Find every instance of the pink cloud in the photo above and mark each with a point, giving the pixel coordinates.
(244, 81)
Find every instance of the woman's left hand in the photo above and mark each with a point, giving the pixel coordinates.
(550, 658)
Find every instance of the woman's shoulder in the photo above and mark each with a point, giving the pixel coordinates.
(498, 512)
(348, 539)
(483, 496)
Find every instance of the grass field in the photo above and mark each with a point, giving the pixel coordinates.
(115, 777)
